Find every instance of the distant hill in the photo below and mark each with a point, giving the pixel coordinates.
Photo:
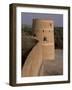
(58, 35)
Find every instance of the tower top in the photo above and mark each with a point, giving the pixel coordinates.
(43, 20)
(43, 24)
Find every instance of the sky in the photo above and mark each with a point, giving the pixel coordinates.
(26, 18)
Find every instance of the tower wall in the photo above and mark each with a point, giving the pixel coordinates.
(43, 30)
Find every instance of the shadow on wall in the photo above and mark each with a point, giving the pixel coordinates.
(27, 44)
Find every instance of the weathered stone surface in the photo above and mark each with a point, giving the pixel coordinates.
(54, 67)
(33, 62)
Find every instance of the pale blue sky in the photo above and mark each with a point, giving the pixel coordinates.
(26, 18)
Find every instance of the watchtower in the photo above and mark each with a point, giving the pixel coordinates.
(43, 30)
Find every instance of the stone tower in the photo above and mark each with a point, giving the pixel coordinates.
(43, 30)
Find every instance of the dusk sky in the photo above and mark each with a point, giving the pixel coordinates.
(26, 18)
